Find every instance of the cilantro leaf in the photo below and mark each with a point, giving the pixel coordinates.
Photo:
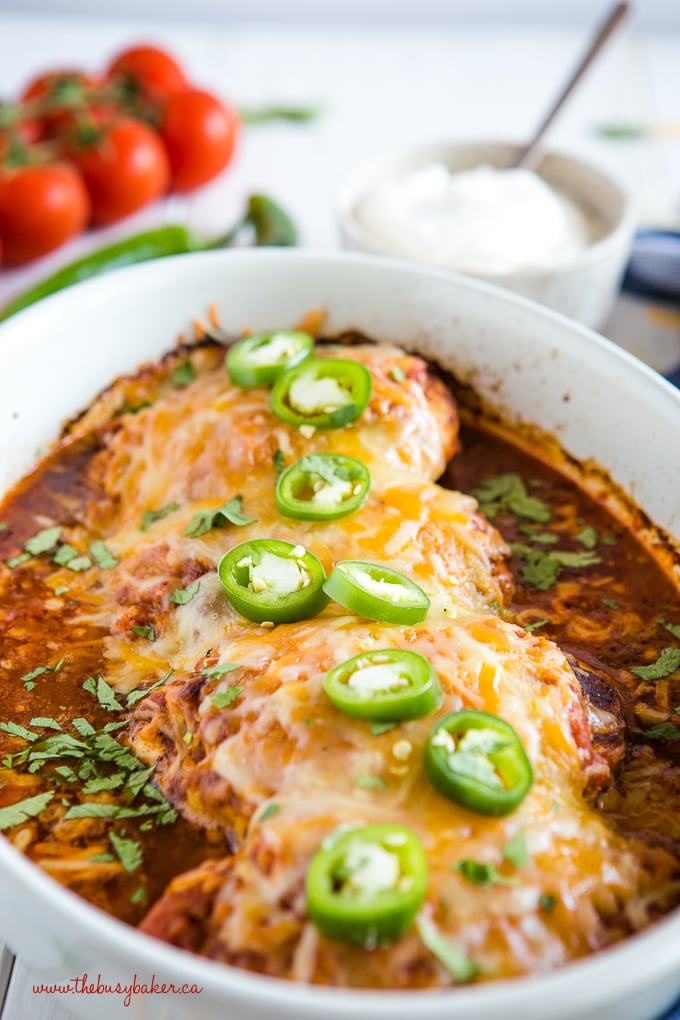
(371, 782)
(313, 464)
(610, 604)
(64, 554)
(43, 541)
(672, 628)
(146, 632)
(16, 561)
(548, 902)
(223, 699)
(215, 672)
(531, 627)
(104, 694)
(45, 722)
(100, 783)
(138, 896)
(229, 513)
(141, 692)
(516, 851)
(279, 461)
(663, 731)
(587, 537)
(382, 727)
(17, 814)
(128, 851)
(15, 730)
(182, 596)
(482, 874)
(102, 556)
(460, 967)
(78, 563)
(508, 492)
(183, 374)
(269, 812)
(667, 662)
(397, 373)
(151, 516)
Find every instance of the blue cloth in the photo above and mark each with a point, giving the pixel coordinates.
(673, 1014)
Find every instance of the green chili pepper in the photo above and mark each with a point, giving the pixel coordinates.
(260, 360)
(270, 580)
(366, 885)
(478, 761)
(326, 393)
(377, 592)
(322, 487)
(270, 226)
(385, 685)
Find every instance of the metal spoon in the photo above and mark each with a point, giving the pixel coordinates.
(527, 155)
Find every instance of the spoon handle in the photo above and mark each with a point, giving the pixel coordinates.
(526, 157)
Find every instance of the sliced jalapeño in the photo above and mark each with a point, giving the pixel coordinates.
(377, 592)
(327, 393)
(366, 885)
(322, 487)
(267, 580)
(387, 685)
(477, 760)
(260, 360)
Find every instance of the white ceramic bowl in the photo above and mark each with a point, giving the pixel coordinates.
(584, 286)
(535, 366)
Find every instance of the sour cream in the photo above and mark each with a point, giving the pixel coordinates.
(481, 221)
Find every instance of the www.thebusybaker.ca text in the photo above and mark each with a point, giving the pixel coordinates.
(84, 985)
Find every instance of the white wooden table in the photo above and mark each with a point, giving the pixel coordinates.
(381, 90)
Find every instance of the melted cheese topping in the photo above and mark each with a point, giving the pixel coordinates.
(280, 739)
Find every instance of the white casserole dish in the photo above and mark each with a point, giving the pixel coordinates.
(535, 366)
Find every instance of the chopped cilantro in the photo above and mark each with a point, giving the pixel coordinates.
(279, 461)
(4, 525)
(139, 895)
(102, 556)
(43, 541)
(146, 632)
(205, 520)
(151, 516)
(269, 812)
(508, 492)
(215, 672)
(103, 858)
(183, 374)
(309, 722)
(141, 692)
(542, 537)
(129, 851)
(460, 967)
(83, 727)
(531, 627)
(15, 730)
(516, 851)
(672, 628)
(138, 693)
(663, 731)
(667, 662)
(371, 782)
(28, 680)
(79, 563)
(64, 554)
(100, 783)
(104, 694)
(45, 722)
(223, 699)
(397, 373)
(482, 874)
(548, 902)
(182, 596)
(382, 727)
(587, 537)
(17, 814)
(16, 561)
(61, 590)
(540, 569)
(188, 737)
(608, 540)
(610, 604)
